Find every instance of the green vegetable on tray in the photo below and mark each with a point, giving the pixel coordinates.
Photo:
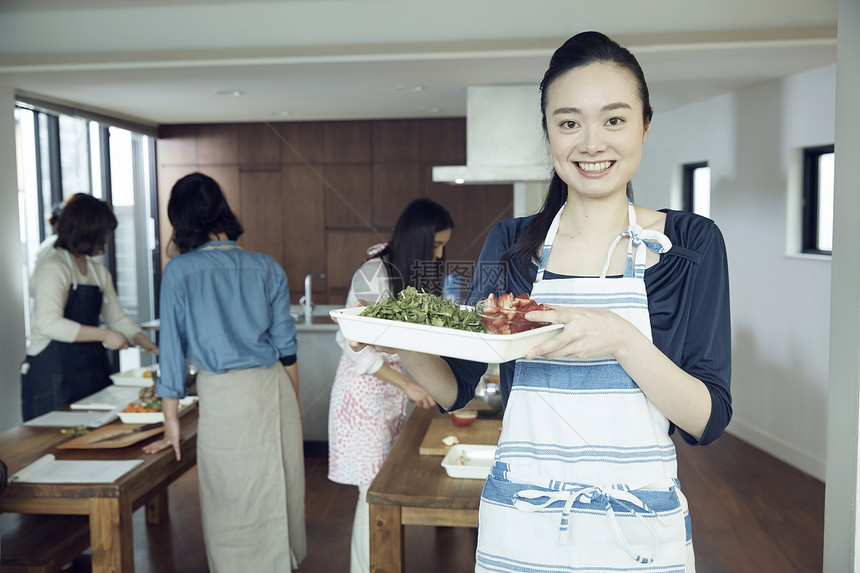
(75, 432)
(424, 308)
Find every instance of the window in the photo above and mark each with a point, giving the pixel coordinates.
(697, 188)
(62, 154)
(818, 171)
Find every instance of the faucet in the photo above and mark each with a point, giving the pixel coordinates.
(305, 302)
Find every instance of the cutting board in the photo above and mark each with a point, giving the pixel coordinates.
(86, 441)
(481, 431)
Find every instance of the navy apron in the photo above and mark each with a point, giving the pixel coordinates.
(65, 372)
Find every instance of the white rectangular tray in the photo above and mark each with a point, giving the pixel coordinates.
(135, 377)
(469, 461)
(111, 398)
(185, 404)
(480, 347)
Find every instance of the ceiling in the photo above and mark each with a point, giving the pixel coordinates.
(163, 62)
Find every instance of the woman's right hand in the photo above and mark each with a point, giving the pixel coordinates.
(419, 395)
(359, 346)
(114, 340)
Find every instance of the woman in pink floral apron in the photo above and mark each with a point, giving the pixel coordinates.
(370, 391)
(585, 471)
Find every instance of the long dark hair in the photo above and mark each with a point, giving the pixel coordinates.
(580, 50)
(197, 209)
(409, 254)
(84, 224)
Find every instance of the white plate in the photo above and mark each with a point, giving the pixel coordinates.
(185, 405)
(109, 398)
(480, 347)
(135, 377)
(469, 461)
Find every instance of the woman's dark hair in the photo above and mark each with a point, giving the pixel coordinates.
(54, 217)
(409, 254)
(197, 209)
(581, 50)
(83, 227)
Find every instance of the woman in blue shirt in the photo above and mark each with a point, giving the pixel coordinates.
(585, 474)
(227, 312)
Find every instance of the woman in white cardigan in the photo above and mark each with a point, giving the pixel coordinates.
(67, 349)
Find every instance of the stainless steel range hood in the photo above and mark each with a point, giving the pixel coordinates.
(504, 139)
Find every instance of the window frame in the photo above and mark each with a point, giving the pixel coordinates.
(810, 216)
(688, 176)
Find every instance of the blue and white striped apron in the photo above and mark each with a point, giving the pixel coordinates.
(585, 475)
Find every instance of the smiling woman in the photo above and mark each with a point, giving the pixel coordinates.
(585, 473)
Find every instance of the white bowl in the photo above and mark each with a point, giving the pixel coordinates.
(185, 405)
(469, 461)
(135, 377)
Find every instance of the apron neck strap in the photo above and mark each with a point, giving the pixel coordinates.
(74, 268)
(640, 238)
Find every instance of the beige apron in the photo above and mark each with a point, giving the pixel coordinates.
(251, 470)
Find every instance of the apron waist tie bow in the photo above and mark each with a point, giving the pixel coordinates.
(527, 500)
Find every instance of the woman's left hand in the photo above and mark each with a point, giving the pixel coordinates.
(172, 437)
(588, 333)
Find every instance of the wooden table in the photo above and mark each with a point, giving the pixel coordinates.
(414, 489)
(108, 505)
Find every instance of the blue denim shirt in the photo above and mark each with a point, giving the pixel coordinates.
(224, 309)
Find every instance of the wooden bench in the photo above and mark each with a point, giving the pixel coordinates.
(41, 543)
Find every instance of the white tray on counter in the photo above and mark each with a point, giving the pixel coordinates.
(469, 461)
(185, 405)
(135, 377)
(111, 398)
(480, 347)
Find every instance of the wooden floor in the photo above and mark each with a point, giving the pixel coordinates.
(751, 514)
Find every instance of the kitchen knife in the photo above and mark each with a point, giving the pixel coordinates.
(129, 432)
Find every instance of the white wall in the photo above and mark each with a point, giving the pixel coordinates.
(780, 303)
(12, 344)
(842, 498)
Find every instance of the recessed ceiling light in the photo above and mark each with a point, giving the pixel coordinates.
(408, 88)
(235, 93)
(459, 180)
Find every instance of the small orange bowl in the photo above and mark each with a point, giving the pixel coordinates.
(464, 417)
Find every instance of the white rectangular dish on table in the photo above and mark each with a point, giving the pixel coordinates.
(136, 377)
(477, 346)
(185, 405)
(469, 461)
(111, 398)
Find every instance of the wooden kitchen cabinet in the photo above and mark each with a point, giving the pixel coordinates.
(348, 191)
(261, 192)
(218, 145)
(396, 141)
(315, 195)
(347, 249)
(302, 143)
(303, 221)
(259, 145)
(177, 145)
(443, 141)
(395, 185)
(347, 142)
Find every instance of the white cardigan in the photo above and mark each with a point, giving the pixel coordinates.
(370, 283)
(49, 287)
